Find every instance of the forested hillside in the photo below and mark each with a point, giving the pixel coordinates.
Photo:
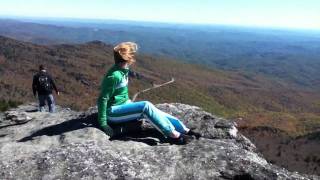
(287, 55)
(78, 70)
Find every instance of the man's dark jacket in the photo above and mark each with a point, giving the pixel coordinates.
(36, 87)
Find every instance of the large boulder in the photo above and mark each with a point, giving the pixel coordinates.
(69, 145)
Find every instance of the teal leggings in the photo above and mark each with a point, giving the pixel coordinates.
(134, 111)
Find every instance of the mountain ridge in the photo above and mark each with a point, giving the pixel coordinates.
(79, 68)
(286, 56)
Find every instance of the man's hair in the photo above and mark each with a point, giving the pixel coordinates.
(125, 52)
(41, 67)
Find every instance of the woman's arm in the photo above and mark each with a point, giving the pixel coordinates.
(107, 89)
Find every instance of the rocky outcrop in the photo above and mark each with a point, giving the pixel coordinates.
(68, 145)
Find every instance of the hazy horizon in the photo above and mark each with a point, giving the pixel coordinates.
(286, 14)
(86, 21)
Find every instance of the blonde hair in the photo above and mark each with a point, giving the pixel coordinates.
(125, 52)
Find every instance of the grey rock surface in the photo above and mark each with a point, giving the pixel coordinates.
(68, 145)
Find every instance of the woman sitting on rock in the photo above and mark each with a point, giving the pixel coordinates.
(114, 105)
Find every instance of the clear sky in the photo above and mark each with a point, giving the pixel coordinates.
(275, 13)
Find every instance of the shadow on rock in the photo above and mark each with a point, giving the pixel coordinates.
(149, 136)
(32, 110)
(130, 131)
(16, 124)
(67, 126)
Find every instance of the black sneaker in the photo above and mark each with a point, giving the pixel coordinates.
(192, 133)
(181, 140)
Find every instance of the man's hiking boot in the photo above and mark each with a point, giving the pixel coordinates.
(193, 133)
(181, 140)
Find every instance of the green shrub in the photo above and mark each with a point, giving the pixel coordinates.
(7, 104)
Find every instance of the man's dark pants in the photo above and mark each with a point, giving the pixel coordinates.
(46, 99)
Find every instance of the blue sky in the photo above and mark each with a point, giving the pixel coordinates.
(273, 13)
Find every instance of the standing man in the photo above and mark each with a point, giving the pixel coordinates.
(43, 84)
